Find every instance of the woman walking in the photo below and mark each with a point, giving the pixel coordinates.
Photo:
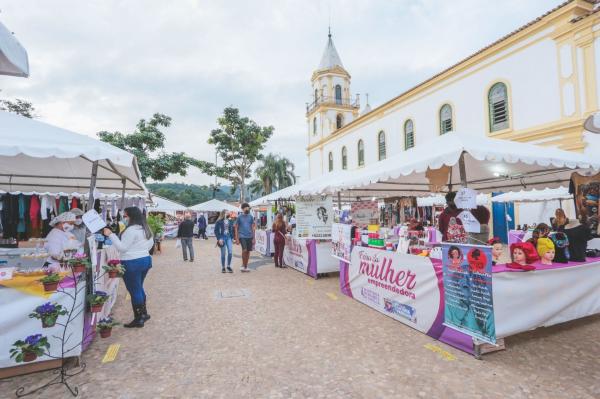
(134, 246)
(224, 234)
(279, 228)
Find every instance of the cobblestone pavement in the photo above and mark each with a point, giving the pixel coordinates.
(281, 334)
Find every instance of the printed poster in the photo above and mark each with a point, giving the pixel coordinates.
(314, 217)
(295, 254)
(468, 298)
(365, 213)
(262, 242)
(341, 241)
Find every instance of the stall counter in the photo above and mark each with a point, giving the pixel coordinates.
(311, 257)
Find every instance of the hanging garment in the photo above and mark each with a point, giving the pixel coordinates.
(74, 203)
(10, 215)
(63, 205)
(21, 227)
(34, 212)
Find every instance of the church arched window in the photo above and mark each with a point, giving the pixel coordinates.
(409, 134)
(316, 95)
(344, 158)
(339, 121)
(445, 119)
(314, 125)
(361, 153)
(498, 107)
(338, 94)
(381, 145)
(330, 161)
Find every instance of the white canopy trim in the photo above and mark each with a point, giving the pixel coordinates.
(13, 56)
(214, 205)
(35, 156)
(161, 204)
(548, 194)
(440, 200)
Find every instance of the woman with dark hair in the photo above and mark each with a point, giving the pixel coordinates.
(279, 228)
(134, 246)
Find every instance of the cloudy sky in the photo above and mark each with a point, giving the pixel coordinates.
(104, 64)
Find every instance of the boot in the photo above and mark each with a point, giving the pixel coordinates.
(138, 320)
(145, 314)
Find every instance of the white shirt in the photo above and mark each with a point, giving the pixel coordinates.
(133, 243)
(57, 241)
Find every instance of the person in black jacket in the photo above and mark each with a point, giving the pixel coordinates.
(185, 233)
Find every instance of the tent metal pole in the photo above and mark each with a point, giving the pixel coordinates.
(124, 181)
(93, 185)
(339, 195)
(462, 170)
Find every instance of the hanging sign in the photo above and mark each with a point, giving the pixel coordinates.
(468, 298)
(341, 241)
(364, 213)
(314, 217)
(466, 198)
(93, 221)
(469, 222)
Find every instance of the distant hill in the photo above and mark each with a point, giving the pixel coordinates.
(191, 194)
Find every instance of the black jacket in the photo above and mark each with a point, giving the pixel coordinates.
(186, 229)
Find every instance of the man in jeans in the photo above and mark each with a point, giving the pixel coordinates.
(202, 227)
(185, 233)
(244, 234)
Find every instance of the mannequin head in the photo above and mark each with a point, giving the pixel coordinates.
(496, 248)
(518, 256)
(560, 218)
(546, 250)
(523, 253)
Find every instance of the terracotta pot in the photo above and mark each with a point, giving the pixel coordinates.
(96, 308)
(50, 286)
(105, 333)
(78, 268)
(29, 356)
(113, 274)
(45, 323)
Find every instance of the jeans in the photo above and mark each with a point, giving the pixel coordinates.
(187, 242)
(202, 233)
(135, 273)
(279, 246)
(227, 244)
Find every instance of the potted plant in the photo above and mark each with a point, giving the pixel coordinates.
(105, 326)
(79, 263)
(97, 300)
(114, 268)
(50, 281)
(29, 349)
(48, 313)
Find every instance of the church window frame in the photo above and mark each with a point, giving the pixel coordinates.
(360, 146)
(409, 134)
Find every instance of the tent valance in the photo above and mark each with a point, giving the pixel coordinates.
(13, 56)
(38, 157)
(548, 194)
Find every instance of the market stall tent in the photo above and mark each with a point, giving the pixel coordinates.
(487, 165)
(38, 157)
(214, 205)
(160, 204)
(13, 56)
(548, 194)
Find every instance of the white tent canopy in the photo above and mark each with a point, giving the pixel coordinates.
(160, 204)
(440, 200)
(37, 157)
(548, 194)
(214, 205)
(490, 165)
(13, 56)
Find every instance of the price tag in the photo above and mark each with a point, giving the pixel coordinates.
(466, 198)
(469, 222)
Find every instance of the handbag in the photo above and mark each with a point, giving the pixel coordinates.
(178, 243)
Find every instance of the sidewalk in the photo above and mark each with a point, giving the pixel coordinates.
(276, 333)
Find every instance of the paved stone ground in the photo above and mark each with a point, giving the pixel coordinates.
(292, 337)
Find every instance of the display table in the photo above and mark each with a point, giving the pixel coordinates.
(311, 257)
(410, 289)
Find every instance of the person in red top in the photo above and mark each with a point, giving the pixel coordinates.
(451, 211)
(279, 228)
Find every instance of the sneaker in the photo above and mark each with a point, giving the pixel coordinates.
(191, 260)
(229, 269)
(245, 269)
(222, 270)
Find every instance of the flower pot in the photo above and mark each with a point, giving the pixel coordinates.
(113, 274)
(29, 356)
(48, 287)
(105, 333)
(48, 323)
(96, 308)
(78, 268)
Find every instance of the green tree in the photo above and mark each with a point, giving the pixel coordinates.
(147, 143)
(256, 188)
(238, 141)
(275, 173)
(21, 107)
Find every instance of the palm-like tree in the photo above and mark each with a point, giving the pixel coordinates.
(275, 172)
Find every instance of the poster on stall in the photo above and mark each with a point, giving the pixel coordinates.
(262, 242)
(401, 286)
(341, 241)
(295, 254)
(314, 216)
(364, 213)
(468, 298)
